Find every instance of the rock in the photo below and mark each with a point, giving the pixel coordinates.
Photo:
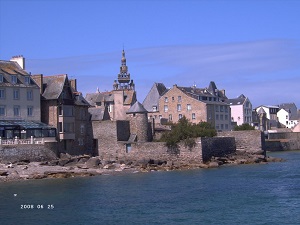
(63, 162)
(52, 163)
(213, 165)
(65, 156)
(37, 176)
(109, 166)
(3, 173)
(169, 163)
(93, 162)
(83, 160)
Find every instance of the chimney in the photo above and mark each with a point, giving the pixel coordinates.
(73, 83)
(20, 60)
(39, 81)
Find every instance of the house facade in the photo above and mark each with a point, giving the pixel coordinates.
(64, 108)
(270, 114)
(241, 110)
(20, 109)
(197, 105)
(287, 115)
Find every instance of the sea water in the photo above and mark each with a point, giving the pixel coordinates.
(241, 194)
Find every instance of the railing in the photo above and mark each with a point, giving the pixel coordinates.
(17, 141)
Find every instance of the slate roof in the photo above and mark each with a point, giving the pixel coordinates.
(157, 90)
(97, 114)
(53, 86)
(80, 100)
(137, 108)
(236, 101)
(9, 68)
(93, 98)
(211, 91)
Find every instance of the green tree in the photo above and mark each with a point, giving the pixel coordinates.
(244, 126)
(187, 132)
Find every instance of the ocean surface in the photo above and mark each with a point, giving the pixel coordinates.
(243, 194)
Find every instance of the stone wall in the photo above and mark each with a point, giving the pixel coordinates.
(144, 151)
(31, 152)
(283, 141)
(251, 141)
(217, 146)
(284, 135)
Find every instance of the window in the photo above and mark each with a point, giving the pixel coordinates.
(180, 116)
(226, 126)
(160, 116)
(69, 127)
(16, 94)
(217, 108)
(221, 117)
(165, 108)
(82, 128)
(226, 117)
(27, 80)
(217, 116)
(80, 141)
(179, 107)
(2, 93)
(2, 110)
(188, 107)
(154, 108)
(226, 109)
(29, 111)
(166, 99)
(179, 98)
(1, 78)
(60, 127)
(16, 110)
(222, 126)
(65, 110)
(193, 116)
(172, 99)
(170, 117)
(221, 108)
(29, 95)
(14, 79)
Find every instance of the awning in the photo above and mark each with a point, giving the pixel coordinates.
(23, 124)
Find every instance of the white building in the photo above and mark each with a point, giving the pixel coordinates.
(288, 115)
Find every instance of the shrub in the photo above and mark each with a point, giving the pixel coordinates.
(244, 126)
(187, 132)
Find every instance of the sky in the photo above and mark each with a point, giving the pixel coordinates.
(248, 47)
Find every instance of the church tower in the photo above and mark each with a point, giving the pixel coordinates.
(123, 81)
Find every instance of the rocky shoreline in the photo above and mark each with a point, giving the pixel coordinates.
(80, 166)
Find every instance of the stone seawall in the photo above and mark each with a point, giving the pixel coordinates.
(286, 141)
(28, 152)
(204, 149)
(217, 147)
(250, 141)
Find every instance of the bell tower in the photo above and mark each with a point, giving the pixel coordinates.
(123, 81)
(123, 76)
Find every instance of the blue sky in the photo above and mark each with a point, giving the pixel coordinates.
(246, 47)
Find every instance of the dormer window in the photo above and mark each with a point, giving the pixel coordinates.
(1, 78)
(27, 80)
(14, 79)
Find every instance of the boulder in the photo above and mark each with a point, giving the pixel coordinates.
(213, 164)
(65, 156)
(3, 173)
(93, 162)
(63, 162)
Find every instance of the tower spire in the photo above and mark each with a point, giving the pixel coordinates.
(124, 75)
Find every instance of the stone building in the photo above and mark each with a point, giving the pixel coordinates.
(20, 109)
(64, 108)
(196, 104)
(118, 101)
